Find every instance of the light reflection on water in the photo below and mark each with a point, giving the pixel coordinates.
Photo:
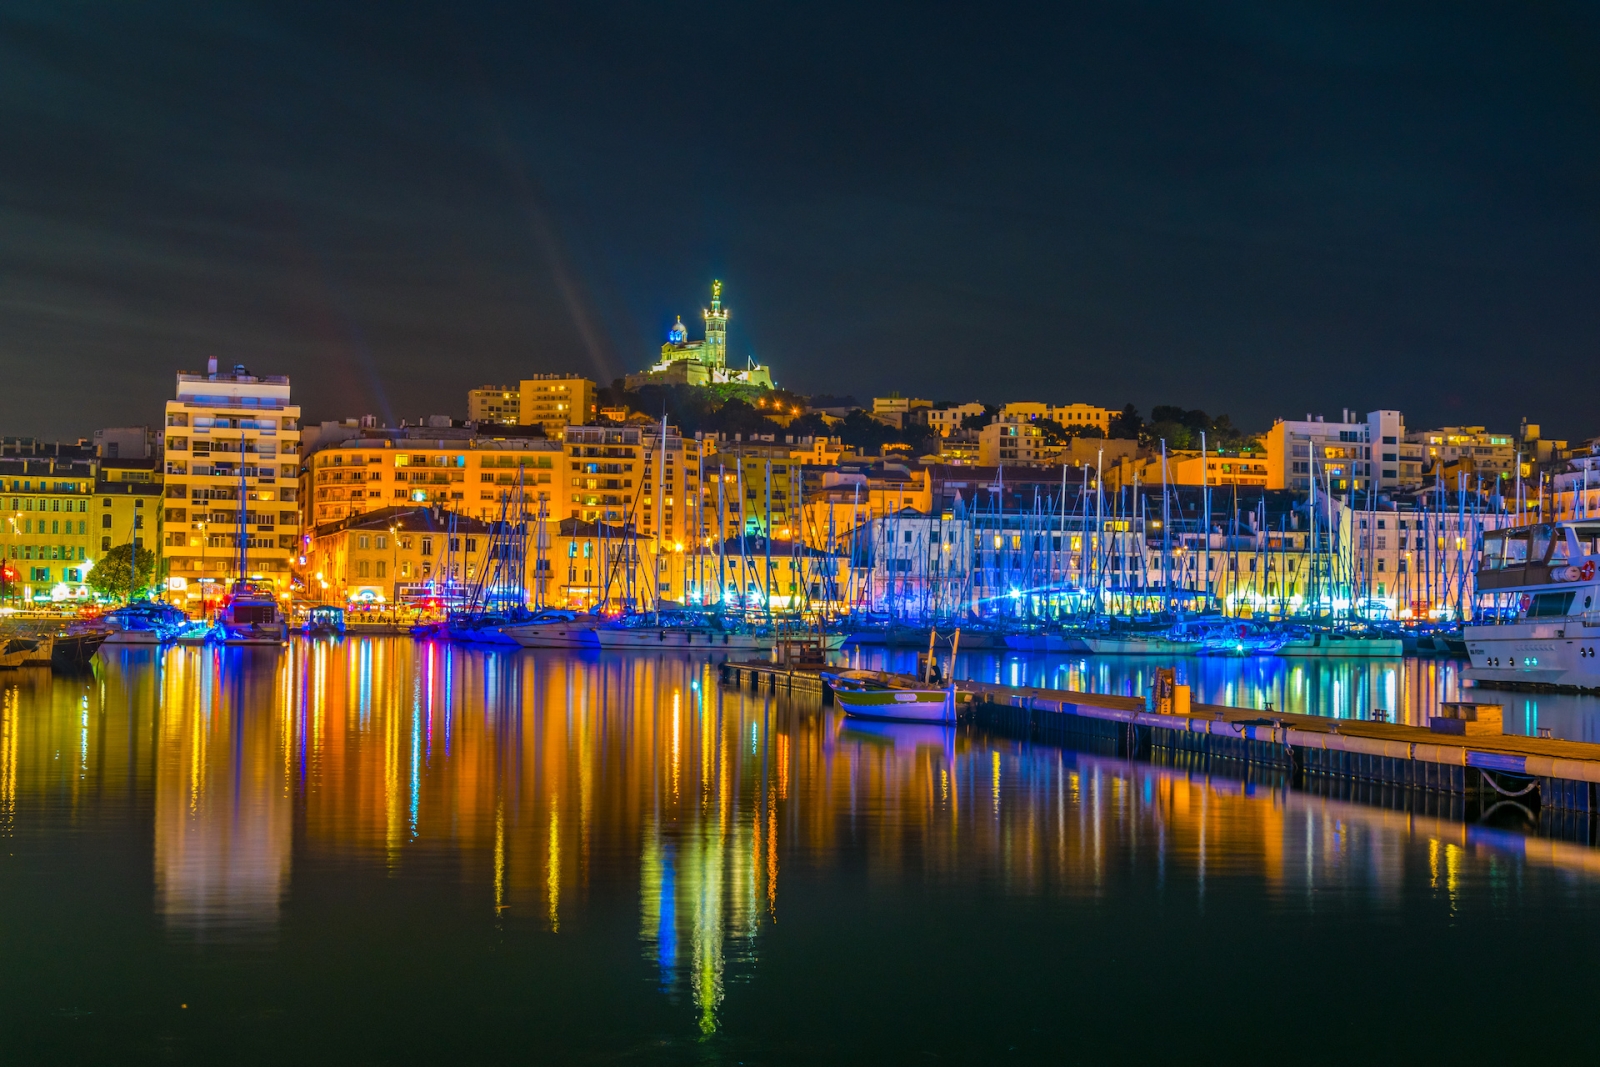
(529, 793)
(1409, 689)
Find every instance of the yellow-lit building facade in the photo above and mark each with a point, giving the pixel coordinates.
(49, 528)
(230, 434)
(473, 476)
(1061, 414)
(403, 554)
(1014, 440)
(556, 401)
(494, 405)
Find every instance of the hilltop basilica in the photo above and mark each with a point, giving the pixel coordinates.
(686, 362)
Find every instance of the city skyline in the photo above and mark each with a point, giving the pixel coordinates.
(1251, 212)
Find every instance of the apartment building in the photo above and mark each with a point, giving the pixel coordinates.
(494, 405)
(1349, 455)
(1014, 440)
(401, 554)
(556, 401)
(1468, 450)
(897, 410)
(748, 468)
(1244, 467)
(231, 469)
(1062, 414)
(947, 420)
(50, 528)
(467, 473)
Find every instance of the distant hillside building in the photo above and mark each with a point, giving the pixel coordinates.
(705, 362)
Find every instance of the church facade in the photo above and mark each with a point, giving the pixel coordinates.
(703, 362)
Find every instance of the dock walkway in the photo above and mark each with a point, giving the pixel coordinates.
(1562, 775)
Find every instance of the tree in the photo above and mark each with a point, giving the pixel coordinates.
(861, 431)
(112, 575)
(1126, 425)
(978, 422)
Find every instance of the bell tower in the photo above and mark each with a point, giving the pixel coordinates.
(716, 350)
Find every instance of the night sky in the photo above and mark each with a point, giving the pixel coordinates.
(1261, 209)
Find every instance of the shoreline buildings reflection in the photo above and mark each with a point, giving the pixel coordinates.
(530, 790)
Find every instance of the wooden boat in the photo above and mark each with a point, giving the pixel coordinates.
(870, 700)
(897, 698)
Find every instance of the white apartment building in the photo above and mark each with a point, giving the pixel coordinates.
(232, 453)
(1343, 456)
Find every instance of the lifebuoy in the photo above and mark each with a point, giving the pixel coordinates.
(1586, 572)
(1525, 601)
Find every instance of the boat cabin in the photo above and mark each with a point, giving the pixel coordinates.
(1549, 553)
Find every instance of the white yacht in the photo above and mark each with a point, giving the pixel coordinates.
(556, 628)
(1140, 645)
(688, 629)
(1538, 606)
(1337, 644)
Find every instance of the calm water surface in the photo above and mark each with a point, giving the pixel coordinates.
(375, 851)
(1409, 690)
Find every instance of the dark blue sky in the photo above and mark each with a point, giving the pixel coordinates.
(1254, 208)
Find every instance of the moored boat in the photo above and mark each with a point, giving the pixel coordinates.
(250, 616)
(1335, 644)
(144, 622)
(1140, 645)
(324, 620)
(557, 628)
(894, 703)
(1538, 599)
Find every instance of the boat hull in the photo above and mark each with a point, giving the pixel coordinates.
(133, 637)
(1133, 646)
(1344, 648)
(1561, 653)
(898, 705)
(1043, 643)
(686, 637)
(261, 634)
(553, 635)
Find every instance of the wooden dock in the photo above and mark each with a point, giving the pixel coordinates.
(766, 677)
(1565, 775)
(1536, 771)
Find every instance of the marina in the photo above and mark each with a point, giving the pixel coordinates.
(714, 843)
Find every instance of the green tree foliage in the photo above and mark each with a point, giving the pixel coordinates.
(1056, 434)
(730, 408)
(113, 576)
(978, 422)
(866, 434)
(1181, 428)
(1126, 425)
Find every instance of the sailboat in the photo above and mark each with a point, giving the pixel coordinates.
(250, 614)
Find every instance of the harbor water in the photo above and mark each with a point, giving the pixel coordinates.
(1405, 690)
(381, 851)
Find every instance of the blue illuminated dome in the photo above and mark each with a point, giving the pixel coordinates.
(678, 335)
